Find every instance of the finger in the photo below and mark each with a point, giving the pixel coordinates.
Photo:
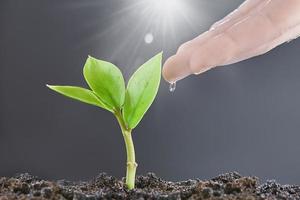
(215, 52)
(256, 34)
(195, 59)
(269, 25)
(176, 68)
(234, 43)
(243, 10)
(286, 18)
(279, 22)
(293, 33)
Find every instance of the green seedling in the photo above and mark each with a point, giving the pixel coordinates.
(107, 91)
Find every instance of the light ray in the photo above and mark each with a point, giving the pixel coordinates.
(164, 19)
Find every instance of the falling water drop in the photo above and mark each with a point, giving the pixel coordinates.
(172, 87)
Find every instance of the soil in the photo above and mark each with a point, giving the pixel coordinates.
(227, 186)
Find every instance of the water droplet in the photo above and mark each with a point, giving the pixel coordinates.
(172, 87)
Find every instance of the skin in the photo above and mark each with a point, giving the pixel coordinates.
(254, 28)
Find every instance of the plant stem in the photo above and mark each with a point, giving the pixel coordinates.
(131, 164)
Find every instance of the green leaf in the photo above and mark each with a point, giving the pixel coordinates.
(141, 91)
(106, 80)
(80, 94)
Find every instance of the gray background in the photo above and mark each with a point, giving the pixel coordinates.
(243, 117)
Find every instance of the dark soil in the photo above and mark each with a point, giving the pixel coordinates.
(226, 186)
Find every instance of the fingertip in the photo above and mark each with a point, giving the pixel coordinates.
(176, 68)
(167, 70)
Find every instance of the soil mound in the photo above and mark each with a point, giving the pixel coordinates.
(226, 186)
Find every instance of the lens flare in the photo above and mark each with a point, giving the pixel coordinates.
(148, 38)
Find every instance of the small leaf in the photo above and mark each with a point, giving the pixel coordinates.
(80, 94)
(141, 91)
(106, 80)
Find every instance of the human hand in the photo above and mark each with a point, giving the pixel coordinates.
(254, 28)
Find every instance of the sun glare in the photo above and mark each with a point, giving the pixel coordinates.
(136, 23)
(161, 17)
(165, 7)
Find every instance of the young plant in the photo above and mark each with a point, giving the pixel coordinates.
(107, 91)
